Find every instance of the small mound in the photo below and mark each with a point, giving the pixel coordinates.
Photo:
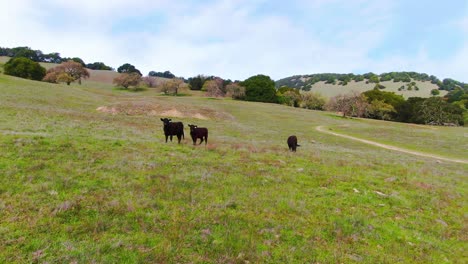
(109, 110)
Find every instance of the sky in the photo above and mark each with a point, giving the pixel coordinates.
(236, 39)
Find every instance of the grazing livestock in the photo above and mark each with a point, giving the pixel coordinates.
(292, 143)
(198, 133)
(173, 129)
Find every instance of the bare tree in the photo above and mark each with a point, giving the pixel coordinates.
(352, 104)
(214, 87)
(150, 81)
(172, 86)
(126, 80)
(235, 91)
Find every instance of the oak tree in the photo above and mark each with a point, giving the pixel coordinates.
(68, 72)
(126, 80)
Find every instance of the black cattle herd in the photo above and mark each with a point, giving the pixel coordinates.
(177, 129)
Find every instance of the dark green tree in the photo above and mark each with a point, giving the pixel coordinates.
(385, 77)
(25, 52)
(99, 66)
(75, 59)
(166, 74)
(456, 95)
(408, 111)
(196, 83)
(436, 111)
(128, 68)
(260, 88)
(24, 68)
(52, 58)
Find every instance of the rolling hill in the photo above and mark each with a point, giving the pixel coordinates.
(330, 88)
(86, 177)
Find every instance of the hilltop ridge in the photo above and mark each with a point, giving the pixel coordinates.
(407, 84)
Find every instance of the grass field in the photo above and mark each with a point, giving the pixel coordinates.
(78, 185)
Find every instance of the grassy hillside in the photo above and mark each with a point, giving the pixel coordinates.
(340, 84)
(330, 90)
(82, 185)
(95, 76)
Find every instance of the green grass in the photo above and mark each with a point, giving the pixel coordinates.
(79, 186)
(444, 141)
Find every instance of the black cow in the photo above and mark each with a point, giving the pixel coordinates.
(292, 143)
(198, 133)
(173, 129)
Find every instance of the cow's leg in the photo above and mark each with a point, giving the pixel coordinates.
(170, 137)
(178, 138)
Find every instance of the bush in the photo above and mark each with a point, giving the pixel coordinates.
(379, 86)
(235, 91)
(312, 100)
(24, 68)
(126, 80)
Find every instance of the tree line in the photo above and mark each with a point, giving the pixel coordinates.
(376, 104)
(54, 57)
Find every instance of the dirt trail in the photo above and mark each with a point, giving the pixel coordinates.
(323, 130)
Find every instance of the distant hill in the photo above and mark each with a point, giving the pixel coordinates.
(408, 84)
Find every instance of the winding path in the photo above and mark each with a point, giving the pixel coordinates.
(421, 154)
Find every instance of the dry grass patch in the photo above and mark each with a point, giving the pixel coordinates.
(142, 108)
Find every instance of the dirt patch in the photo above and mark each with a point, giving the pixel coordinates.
(423, 185)
(172, 113)
(109, 110)
(151, 109)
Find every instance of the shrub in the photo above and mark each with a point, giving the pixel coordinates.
(235, 91)
(126, 80)
(24, 68)
(312, 100)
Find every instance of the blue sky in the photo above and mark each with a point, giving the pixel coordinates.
(239, 38)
